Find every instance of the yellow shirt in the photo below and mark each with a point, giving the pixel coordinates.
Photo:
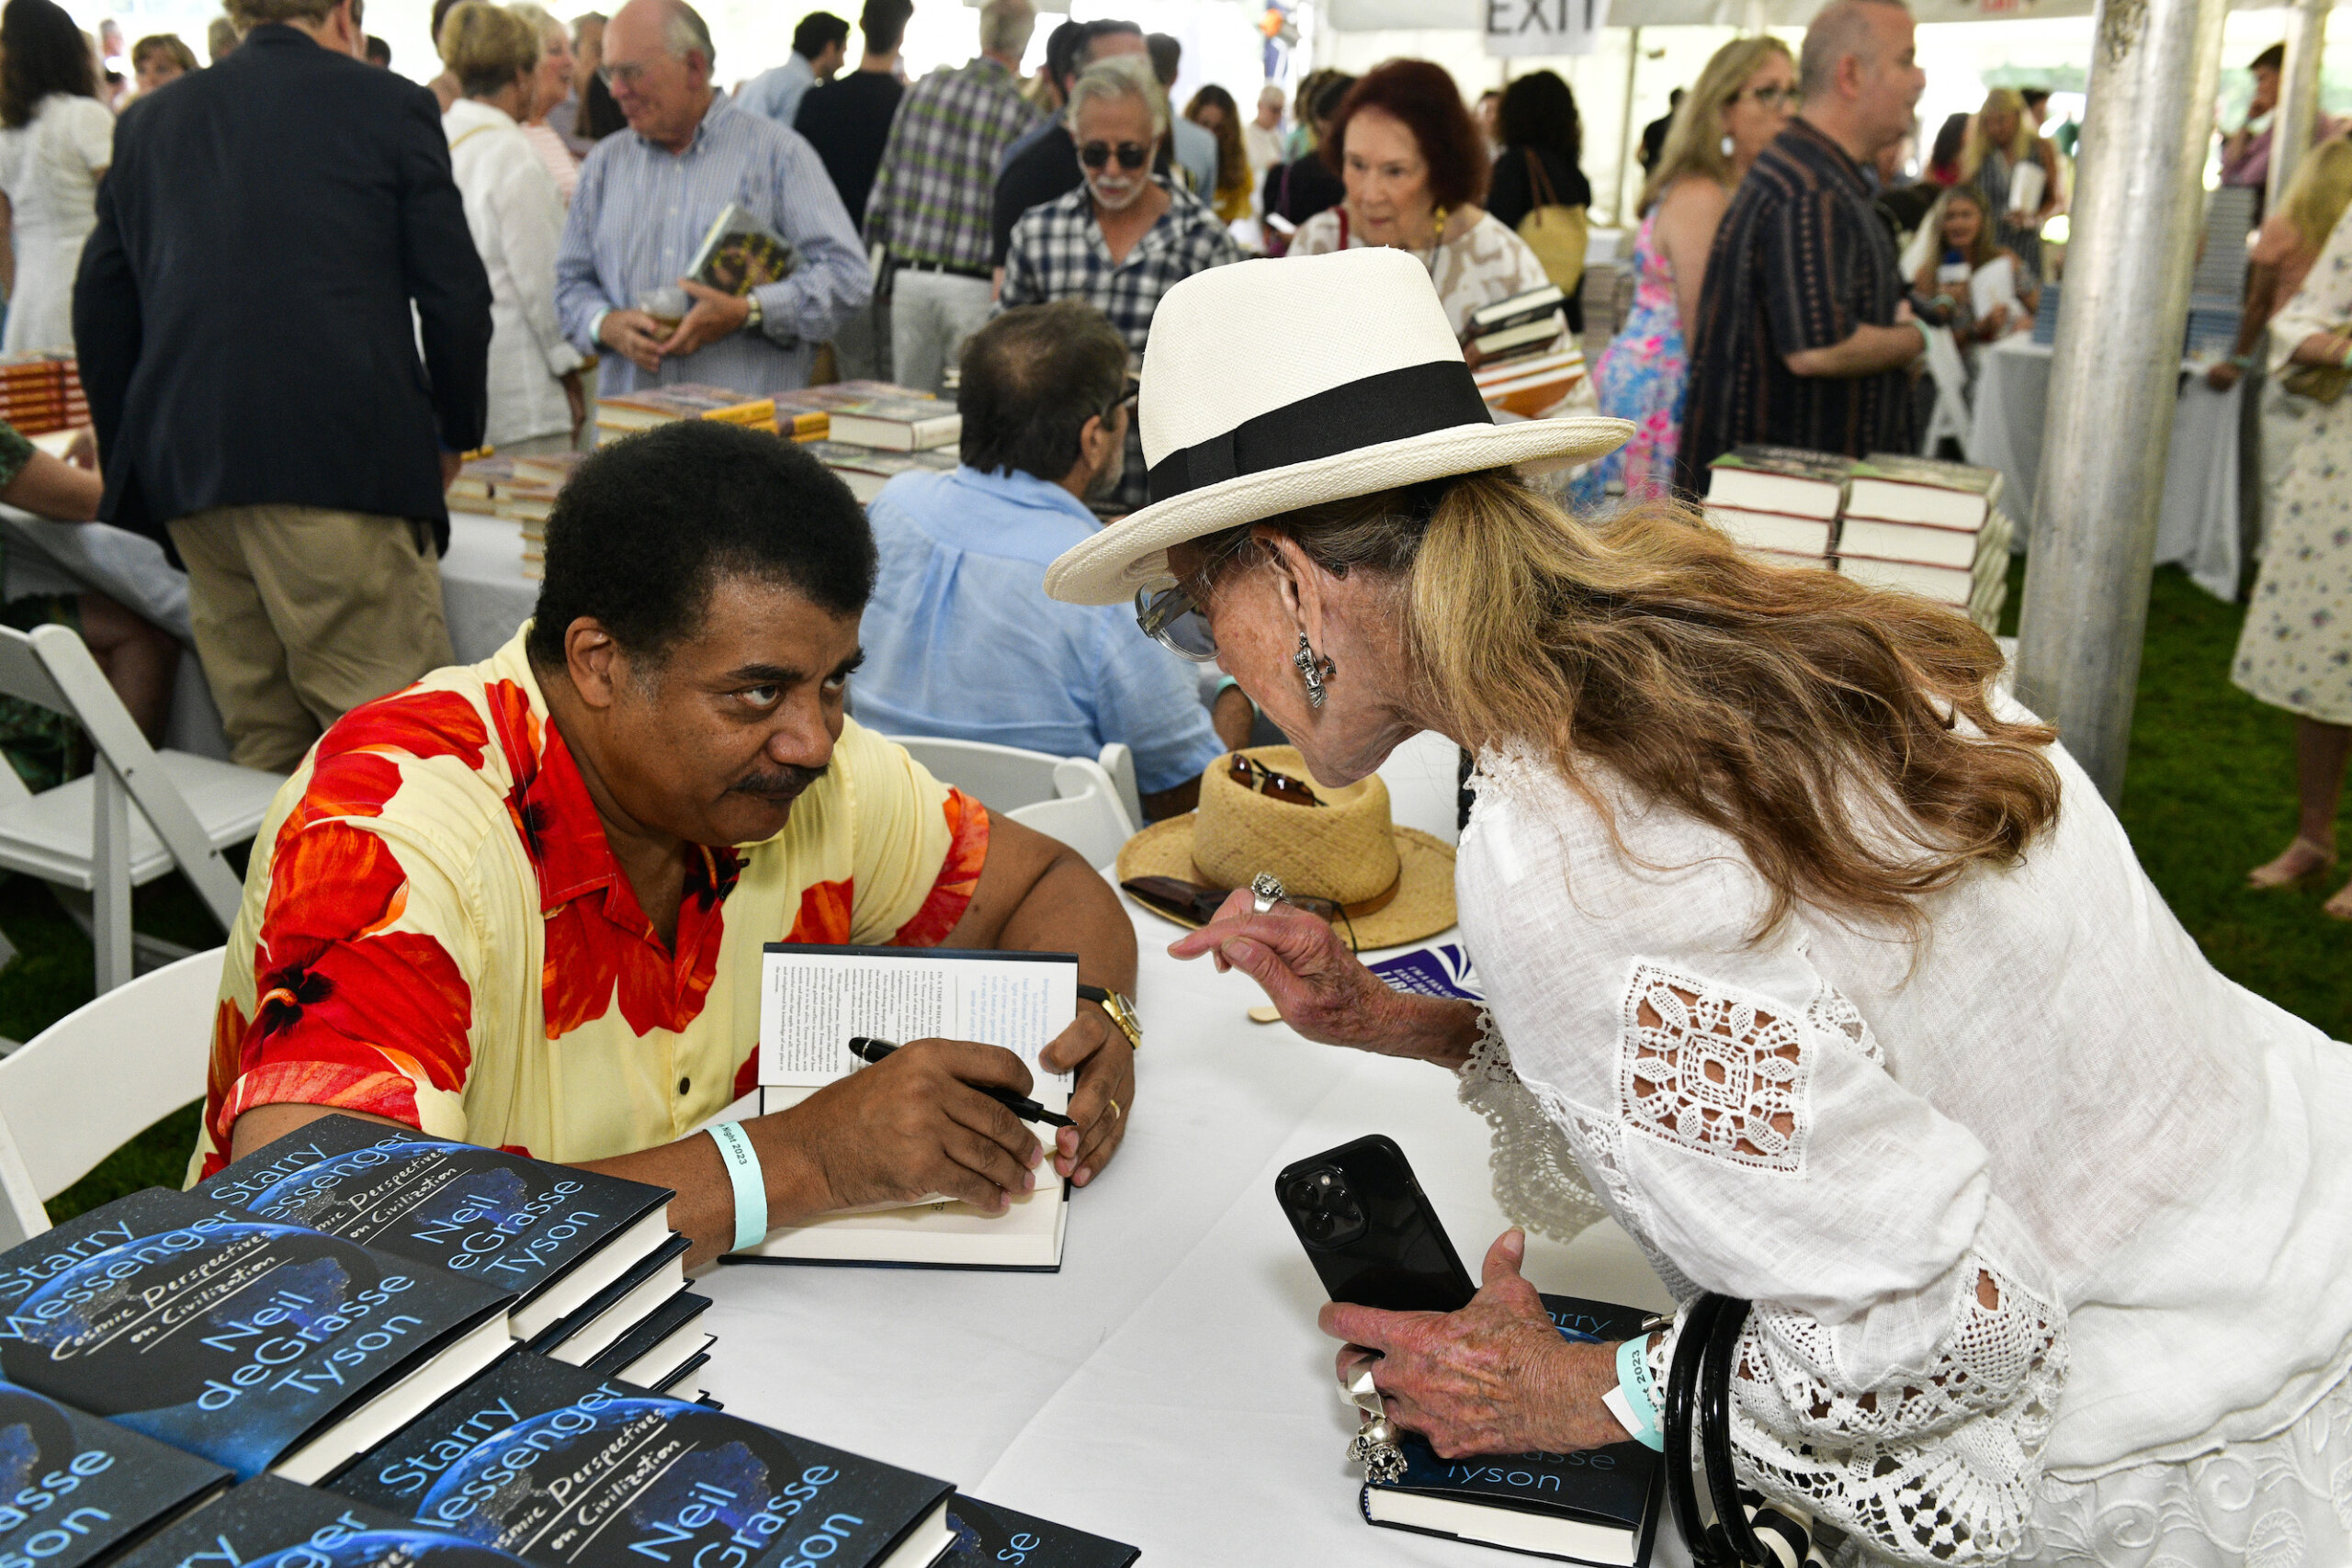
(435, 928)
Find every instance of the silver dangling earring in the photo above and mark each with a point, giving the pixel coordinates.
(1313, 670)
(1728, 145)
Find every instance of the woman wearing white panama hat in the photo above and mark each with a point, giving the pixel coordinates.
(1830, 971)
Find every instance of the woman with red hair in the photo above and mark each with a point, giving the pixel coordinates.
(1416, 171)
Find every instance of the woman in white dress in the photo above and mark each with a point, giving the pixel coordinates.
(56, 140)
(1810, 960)
(2295, 650)
(536, 400)
(1416, 169)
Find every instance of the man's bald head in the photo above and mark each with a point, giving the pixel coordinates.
(673, 26)
(657, 61)
(1860, 74)
(1840, 28)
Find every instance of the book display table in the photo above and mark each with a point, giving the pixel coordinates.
(2199, 526)
(483, 591)
(1168, 1387)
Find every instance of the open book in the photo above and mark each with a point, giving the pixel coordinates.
(812, 999)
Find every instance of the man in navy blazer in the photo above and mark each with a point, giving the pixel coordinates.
(243, 319)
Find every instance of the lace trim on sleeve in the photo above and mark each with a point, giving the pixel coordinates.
(1537, 1180)
(1939, 1464)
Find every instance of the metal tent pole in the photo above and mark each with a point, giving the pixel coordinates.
(2290, 128)
(2138, 191)
(1625, 129)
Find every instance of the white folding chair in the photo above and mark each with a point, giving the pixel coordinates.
(82, 839)
(97, 1078)
(1119, 763)
(1086, 815)
(1003, 777)
(1950, 373)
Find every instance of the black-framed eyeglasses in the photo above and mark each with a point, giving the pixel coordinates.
(1131, 155)
(1169, 617)
(1254, 775)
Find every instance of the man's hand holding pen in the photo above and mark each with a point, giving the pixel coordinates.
(915, 1122)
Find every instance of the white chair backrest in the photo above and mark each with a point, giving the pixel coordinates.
(1119, 763)
(1002, 777)
(1086, 815)
(100, 1075)
(1950, 373)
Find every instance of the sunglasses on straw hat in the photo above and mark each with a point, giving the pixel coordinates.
(1195, 904)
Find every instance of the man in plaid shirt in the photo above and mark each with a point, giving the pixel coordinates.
(930, 198)
(1124, 237)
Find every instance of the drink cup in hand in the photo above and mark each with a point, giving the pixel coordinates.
(667, 305)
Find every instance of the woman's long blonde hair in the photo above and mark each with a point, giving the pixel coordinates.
(1844, 736)
(2020, 144)
(1694, 141)
(2319, 191)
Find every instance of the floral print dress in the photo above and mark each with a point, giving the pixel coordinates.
(1642, 376)
(2296, 650)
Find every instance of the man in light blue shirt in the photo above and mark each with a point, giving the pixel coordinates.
(961, 641)
(647, 195)
(820, 48)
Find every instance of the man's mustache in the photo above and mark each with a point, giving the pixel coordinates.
(781, 786)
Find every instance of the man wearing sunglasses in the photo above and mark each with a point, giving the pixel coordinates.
(1126, 236)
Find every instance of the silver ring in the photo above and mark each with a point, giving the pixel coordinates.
(1266, 889)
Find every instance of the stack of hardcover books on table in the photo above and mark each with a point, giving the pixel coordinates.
(866, 432)
(1931, 527)
(1779, 500)
(40, 392)
(313, 1358)
(626, 414)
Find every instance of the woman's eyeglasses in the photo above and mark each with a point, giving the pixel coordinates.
(1097, 155)
(1171, 618)
(1253, 774)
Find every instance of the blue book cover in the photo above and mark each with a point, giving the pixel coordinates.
(1605, 1499)
(270, 1523)
(74, 1489)
(993, 1535)
(225, 1336)
(551, 1233)
(572, 1471)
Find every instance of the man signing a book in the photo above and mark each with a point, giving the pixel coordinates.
(522, 903)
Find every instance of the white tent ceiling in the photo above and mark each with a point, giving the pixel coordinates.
(1373, 16)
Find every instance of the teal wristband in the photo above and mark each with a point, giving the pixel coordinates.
(1635, 1395)
(743, 1171)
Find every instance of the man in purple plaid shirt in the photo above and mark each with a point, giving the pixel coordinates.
(1125, 237)
(930, 198)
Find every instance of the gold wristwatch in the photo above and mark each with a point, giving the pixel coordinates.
(1122, 1011)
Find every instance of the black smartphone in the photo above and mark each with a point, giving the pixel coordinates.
(1371, 1232)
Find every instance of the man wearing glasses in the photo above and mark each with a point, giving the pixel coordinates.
(1046, 407)
(1124, 237)
(647, 197)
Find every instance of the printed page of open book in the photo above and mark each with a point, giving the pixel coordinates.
(812, 999)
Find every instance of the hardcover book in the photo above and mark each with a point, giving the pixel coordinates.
(813, 998)
(1896, 488)
(1808, 537)
(74, 1489)
(740, 253)
(991, 1534)
(897, 424)
(1599, 1506)
(254, 1345)
(572, 1471)
(553, 1235)
(866, 469)
(619, 1307)
(654, 1352)
(1532, 305)
(269, 1523)
(1779, 479)
(683, 399)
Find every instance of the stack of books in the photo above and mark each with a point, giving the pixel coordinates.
(873, 431)
(1779, 500)
(1527, 386)
(629, 412)
(1930, 528)
(529, 496)
(1920, 524)
(41, 393)
(477, 483)
(2045, 319)
(1518, 327)
(311, 1359)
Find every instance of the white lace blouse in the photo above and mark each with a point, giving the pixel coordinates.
(2046, 1192)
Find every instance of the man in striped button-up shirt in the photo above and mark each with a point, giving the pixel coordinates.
(648, 195)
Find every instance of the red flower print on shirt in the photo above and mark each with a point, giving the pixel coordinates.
(356, 768)
(958, 878)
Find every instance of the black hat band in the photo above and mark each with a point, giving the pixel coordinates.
(1395, 405)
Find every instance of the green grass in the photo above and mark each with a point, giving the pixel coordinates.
(2208, 794)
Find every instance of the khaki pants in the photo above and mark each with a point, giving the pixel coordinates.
(302, 613)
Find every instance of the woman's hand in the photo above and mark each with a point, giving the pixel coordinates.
(1323, 990)
(1494, 1378)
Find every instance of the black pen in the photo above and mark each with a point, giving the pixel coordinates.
(869, 1050)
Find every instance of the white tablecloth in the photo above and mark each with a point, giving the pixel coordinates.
(1168, 1387)
(2198, 525)
(484, 590)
